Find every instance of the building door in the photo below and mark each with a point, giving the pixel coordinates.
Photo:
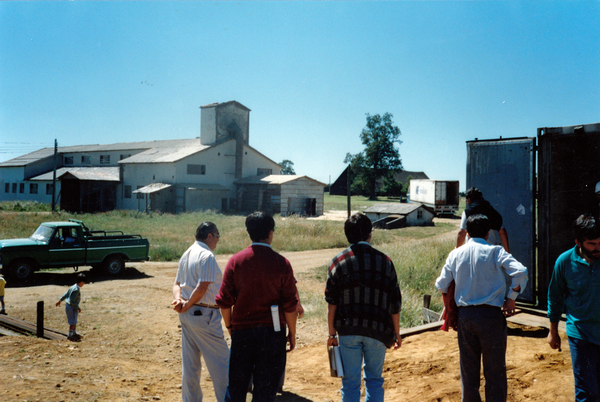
(504, 170)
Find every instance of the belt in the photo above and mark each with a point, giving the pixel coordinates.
(482, 306)
(207, 305)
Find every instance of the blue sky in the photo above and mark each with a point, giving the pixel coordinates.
(449, 72)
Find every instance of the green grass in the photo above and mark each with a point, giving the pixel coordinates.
(417, 264)
(417, 257)
(357, 202)
(24, 206)
(170, 235)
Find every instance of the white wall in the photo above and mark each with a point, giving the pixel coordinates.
(254, 160)
(299, 190)
(14, 176)
(413, 220)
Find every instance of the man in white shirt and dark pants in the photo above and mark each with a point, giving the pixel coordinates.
(478, 271)
(196, 285)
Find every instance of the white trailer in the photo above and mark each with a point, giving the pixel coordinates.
(441, 195)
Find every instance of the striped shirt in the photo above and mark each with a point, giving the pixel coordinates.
(198, 264)
(362, 283)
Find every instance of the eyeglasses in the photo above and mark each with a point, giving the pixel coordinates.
(217, 235)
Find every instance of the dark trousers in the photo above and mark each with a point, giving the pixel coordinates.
(258, 353)
(585, 359)
(482, 333)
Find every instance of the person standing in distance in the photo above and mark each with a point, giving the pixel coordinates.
(575, 289)
(363, 310)
(476, 204)
(196, 285)
(478, 270)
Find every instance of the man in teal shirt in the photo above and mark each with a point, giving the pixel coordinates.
(575, 289)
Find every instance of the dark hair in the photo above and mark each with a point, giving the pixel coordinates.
(358, 227)
(81, 278)
(478, 226)
(474, 194)
(586, 228)
(204, 230)
(259, 224)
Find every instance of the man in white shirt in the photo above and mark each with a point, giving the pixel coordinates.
(477, 269)
(196, 285)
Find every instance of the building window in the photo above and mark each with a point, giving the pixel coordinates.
(263, 171)
(7, 187)
(68, 160)
(21, 188)
(104, 159)
(49, 188)
(140, 196)
(196, 169)
(33, 187)
(419, 214)
(14, 188)
(124, 156)
(127, 192)
(85, 160)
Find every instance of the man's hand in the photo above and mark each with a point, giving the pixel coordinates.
(332, 341)
(291, 339)
(553, 336)
(178, 305)
(554, 341)
(300, 310)
(509, 307)
(398, 342)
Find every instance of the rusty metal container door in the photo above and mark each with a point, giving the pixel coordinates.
(569, 168)
(504, 170)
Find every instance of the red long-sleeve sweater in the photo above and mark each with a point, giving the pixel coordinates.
(255, 279)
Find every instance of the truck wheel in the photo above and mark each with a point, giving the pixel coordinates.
(21, 271)
(114, 265)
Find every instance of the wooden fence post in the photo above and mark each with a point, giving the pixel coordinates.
(40, 319)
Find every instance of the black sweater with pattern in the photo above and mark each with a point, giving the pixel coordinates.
(362, 283)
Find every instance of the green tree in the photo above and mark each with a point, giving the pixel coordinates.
(380, 158)
(287, 167)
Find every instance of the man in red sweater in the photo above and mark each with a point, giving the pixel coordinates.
(258, 280)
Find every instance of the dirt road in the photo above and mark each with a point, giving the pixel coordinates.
(131, 349)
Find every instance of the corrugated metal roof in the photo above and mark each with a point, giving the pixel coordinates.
(82, 173)
(151, 188)
(393, 208)
(274, 179)
(26, 159)
(166, 154)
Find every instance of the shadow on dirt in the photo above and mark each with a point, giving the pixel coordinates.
(528, 333)
(68, 278)
(291, 397)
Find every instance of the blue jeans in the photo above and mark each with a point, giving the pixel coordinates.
(482, 334)
(585, 359)
(259, 353)
(362, 352)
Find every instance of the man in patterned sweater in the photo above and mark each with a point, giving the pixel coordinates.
(364, 303)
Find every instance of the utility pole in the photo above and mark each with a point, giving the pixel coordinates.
(348, 183)
(54, 177)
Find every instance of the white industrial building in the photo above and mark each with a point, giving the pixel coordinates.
(173, 176)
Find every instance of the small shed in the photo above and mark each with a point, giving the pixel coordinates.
(397, 215)
(281, 194)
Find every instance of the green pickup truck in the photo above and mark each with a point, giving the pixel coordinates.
(70, 244)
